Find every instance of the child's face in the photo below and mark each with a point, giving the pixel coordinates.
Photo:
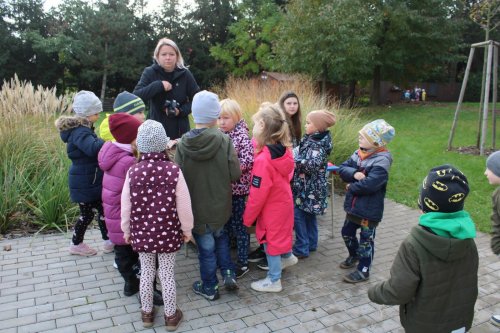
(310, 128)
(93, 118)
(492, 178)
(364, 143)
(226, 123)
(139, 116)
(258, 127)
(291, 105)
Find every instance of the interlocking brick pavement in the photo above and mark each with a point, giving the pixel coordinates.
(44, 289)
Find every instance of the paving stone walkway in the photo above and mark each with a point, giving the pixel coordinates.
(44, 289)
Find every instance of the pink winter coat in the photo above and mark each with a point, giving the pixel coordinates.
(115, 162)
(270, 201)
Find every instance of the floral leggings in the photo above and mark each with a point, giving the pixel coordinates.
(166, 274)
(87, 213)
(364, 249)
(235, 228)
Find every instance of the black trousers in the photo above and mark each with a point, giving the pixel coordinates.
(128, 262)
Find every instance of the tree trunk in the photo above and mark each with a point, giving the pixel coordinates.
(105, 72)
(352, 93)
(375, 93)
(323, 82)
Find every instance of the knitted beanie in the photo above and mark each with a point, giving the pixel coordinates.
(443, 190)
(123, 127)
(86, 103)
(151, 137)
(129, 103)
(205, 107)
(322, 119)
(378, 132)
(493, 163)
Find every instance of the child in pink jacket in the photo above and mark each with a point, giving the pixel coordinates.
(270, 201)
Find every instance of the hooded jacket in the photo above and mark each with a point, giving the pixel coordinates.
(115, 162)
(244, 150)
(82, 147)
(270, 201)
(365, 198)
(150, 89)
(209, 163)
(309, 178)
(434, 280)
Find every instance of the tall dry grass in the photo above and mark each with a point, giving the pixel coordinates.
(33, 168)
(250, 93)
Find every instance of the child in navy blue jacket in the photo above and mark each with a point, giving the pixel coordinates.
(85, 177)
(366, 173)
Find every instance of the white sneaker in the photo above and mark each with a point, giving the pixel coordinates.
(290, 261)
(115, 265)
(495, 320)
(267, 285)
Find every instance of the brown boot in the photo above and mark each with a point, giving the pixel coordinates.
(173, 321)
(148, 319)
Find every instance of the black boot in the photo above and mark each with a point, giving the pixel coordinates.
(131, 287)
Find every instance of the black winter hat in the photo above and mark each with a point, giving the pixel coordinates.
(443, 190)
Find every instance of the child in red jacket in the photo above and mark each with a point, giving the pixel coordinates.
(270, 201)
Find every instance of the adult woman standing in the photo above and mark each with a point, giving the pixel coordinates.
(168, 87)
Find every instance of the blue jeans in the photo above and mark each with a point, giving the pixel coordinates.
(274, 264)
(235, 228)
(365, 248)
(213, 252)
(306, 232)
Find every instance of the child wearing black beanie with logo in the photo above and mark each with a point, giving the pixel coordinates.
(434, 275)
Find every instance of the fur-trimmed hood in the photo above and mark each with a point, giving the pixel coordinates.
(65, 123)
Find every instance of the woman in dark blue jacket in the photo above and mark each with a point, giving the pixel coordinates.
(168, 88)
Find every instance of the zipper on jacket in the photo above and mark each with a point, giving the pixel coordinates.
(95, 176)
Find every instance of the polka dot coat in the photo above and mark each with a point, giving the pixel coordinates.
(154, 223)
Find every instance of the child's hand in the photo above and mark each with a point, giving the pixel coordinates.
(359, 176)
(126, 238)
(171, 143)
(186, 239)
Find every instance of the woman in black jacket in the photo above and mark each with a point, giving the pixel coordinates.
(168, 87)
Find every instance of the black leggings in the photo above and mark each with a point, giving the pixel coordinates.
(87, 213)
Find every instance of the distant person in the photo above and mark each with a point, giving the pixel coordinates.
(209, 162)
(125, 102)
(85, 176)
(424, 95)
(366, 173)
(168, 87)
(156, 233)
(434, 275)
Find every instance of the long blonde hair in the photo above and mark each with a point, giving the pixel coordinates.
(169, 42)
(275, 126)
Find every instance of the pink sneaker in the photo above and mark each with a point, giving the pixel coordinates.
(82, 249)
(108, 247)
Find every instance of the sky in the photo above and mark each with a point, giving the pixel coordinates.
(152, 4)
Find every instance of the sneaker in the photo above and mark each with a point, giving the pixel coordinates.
(230, 280)
(290, 261)
(131, 287)
(148, 318)
(115, 265)
(266, 285)
(107, 246)
(356, 277)
(211, 295)
(350, 262)
(263, 264)
(240, 271)
(82, 249)
(172, 322)
(495, 320)
(300, 256)
(157, 298)
(257, 255)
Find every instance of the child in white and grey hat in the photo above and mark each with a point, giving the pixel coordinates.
(85, 176)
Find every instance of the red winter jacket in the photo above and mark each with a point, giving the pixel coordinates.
(270, 201)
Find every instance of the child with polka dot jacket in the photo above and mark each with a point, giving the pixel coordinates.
(156, 218)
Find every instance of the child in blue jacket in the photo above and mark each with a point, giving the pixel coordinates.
(366, 173)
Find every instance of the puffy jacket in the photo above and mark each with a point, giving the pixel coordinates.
(270, 201)
(244, 150)
(309, 179)
(209, 163)
(434, 280)
(150, 89)
(365, 198)
(82, 147)
(115, 162)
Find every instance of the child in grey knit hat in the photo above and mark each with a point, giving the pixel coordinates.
(493, 174)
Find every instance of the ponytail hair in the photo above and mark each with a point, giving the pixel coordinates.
(276, 129)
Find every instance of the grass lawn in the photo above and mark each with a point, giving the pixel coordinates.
(421, 143)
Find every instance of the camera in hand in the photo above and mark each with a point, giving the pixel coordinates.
(170, 106)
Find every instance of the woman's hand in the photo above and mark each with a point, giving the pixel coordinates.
(166, 85)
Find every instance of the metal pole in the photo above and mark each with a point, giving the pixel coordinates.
(461, 97)
(495, 83)
(486, 100)
(331, 206)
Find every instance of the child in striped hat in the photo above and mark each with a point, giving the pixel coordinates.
(125, 102)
